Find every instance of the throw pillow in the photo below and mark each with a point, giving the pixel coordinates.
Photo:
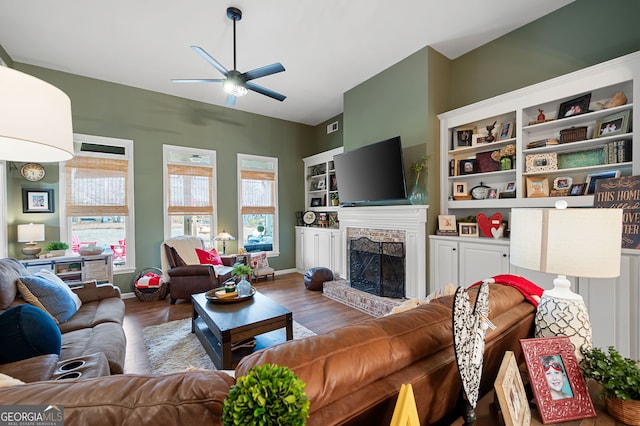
(27, 332)
(6, 381)
(49, 275)
(48, 296)
(210, 257)
(173, 257)
(259, 260)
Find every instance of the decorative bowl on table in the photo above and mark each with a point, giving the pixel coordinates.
(89, 250)
(220, 295)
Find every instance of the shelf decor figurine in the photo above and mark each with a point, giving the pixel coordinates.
(417, 195)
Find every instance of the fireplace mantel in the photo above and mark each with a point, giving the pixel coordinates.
(407, 218)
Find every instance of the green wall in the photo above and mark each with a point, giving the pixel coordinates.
(152, 119)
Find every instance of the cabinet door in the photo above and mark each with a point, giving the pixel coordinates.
(479, 261)
(336, 253)
(444, 264)
(309, 249)
(299, 248)
(324, 247)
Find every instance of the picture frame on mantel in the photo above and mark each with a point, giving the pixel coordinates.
(37, 201)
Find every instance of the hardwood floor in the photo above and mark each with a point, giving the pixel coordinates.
(310, 308)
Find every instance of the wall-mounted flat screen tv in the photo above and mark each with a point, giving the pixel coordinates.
(371, 174)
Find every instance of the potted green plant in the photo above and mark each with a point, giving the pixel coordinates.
(268, 395)
(335, 200)
(620, 381)
(243, 271)
(57, 248)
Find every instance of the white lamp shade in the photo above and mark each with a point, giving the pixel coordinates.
(580, 242)
(30, 232)
(36, 119)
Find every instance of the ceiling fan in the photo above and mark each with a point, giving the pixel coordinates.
(236, 83)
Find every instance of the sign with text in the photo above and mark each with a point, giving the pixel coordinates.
(622, 193)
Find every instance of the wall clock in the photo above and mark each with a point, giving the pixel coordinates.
(32, 172)
(309, 217)
(480, 192)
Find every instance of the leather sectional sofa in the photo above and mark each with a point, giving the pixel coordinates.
(353, 374)
(93, 335)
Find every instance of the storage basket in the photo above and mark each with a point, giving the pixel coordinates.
(626, 411)
(149, 294)
(573, 134)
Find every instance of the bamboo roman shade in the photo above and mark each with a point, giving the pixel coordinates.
(258, 192)
(190, 190)
(96, 187)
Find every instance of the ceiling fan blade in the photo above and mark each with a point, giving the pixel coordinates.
(200, 51)
(231, 100)
(197, 80)
(263, 71)
(265, 91)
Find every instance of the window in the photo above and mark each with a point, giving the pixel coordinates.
(258, 203)
(189, 192)
(97, 187)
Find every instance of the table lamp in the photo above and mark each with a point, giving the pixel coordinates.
(579, 242)
(224, 236)
(30, 233)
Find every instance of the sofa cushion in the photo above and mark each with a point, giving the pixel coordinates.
(107, 338)
(49, 275)
(10, 271)
(27, 332)
(54, 299)
(94, 313)
(210, 257)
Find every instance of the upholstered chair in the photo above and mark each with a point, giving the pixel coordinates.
(182, 268)
(260, 266)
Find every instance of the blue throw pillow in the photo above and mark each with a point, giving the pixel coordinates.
(48, 296)
(25, 332)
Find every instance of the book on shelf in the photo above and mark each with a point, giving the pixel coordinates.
(542, 142)
(617, 151)
(447, 232)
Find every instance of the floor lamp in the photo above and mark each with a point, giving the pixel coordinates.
(579, 242)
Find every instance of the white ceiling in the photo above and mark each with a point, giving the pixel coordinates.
(326, 46)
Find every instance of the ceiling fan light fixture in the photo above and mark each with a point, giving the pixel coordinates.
(234, 87)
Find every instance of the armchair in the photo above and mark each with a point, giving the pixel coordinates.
(182, 269)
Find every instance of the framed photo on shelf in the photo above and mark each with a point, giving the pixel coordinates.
(447, 222)
(510, 392)
(558, 386)
(544, 162)
(468, 229)
(506, 131)
(320, 184)
(537, 186)
(492, 194)
(460, 189)
(575, 106)
(590, 184)
(464, 137)
(468, 167)
(478, 139)
(316, 202)
(37, 201)
(562, 182)
(577, 189)
(612, 125)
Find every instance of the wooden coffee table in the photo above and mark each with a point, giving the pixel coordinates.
(219, 325)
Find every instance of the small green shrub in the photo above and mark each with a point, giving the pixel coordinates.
(57, 245)
(268, 395)
(619, 377)
(240, 269)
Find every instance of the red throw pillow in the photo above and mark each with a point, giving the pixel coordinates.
(210, 257)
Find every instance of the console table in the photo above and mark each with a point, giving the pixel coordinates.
(75, 269)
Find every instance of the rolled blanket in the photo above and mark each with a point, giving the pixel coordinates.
(149, 280)
(529, 290)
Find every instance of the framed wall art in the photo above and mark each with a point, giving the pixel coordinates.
(575, 106)
(577, 189)
(460, 189)
(612, 125)
(468, 229)
(468, 167)
(463, 137)
(316, 202)
(558, 386)
(506, 131)
(447, 222)
(592, 178)
(544, 162)
(510, 392)
(537, 186)
(37, 201)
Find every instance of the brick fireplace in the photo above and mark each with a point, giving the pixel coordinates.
(403, 223)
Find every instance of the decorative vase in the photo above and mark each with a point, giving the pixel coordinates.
(505, 163)
(417, 195)
(243, 287)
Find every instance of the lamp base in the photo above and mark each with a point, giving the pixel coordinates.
(558, 315)
(30, 251)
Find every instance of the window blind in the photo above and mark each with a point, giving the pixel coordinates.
(190, 190)
(258, 192)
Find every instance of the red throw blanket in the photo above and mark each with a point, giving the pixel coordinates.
(529, 290)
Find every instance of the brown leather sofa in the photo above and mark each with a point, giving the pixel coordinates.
(353, 374)
(95, 328)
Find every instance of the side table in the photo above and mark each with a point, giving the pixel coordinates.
(487, 412)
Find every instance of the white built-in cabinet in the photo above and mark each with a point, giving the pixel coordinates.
(321, 185)
(318, 247)
(613, 304)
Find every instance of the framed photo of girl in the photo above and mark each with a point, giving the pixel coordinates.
(558, 386)
(511, 394)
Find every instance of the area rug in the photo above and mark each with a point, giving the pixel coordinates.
(172, 347)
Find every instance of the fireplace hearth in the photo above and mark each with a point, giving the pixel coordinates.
(377, 267)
